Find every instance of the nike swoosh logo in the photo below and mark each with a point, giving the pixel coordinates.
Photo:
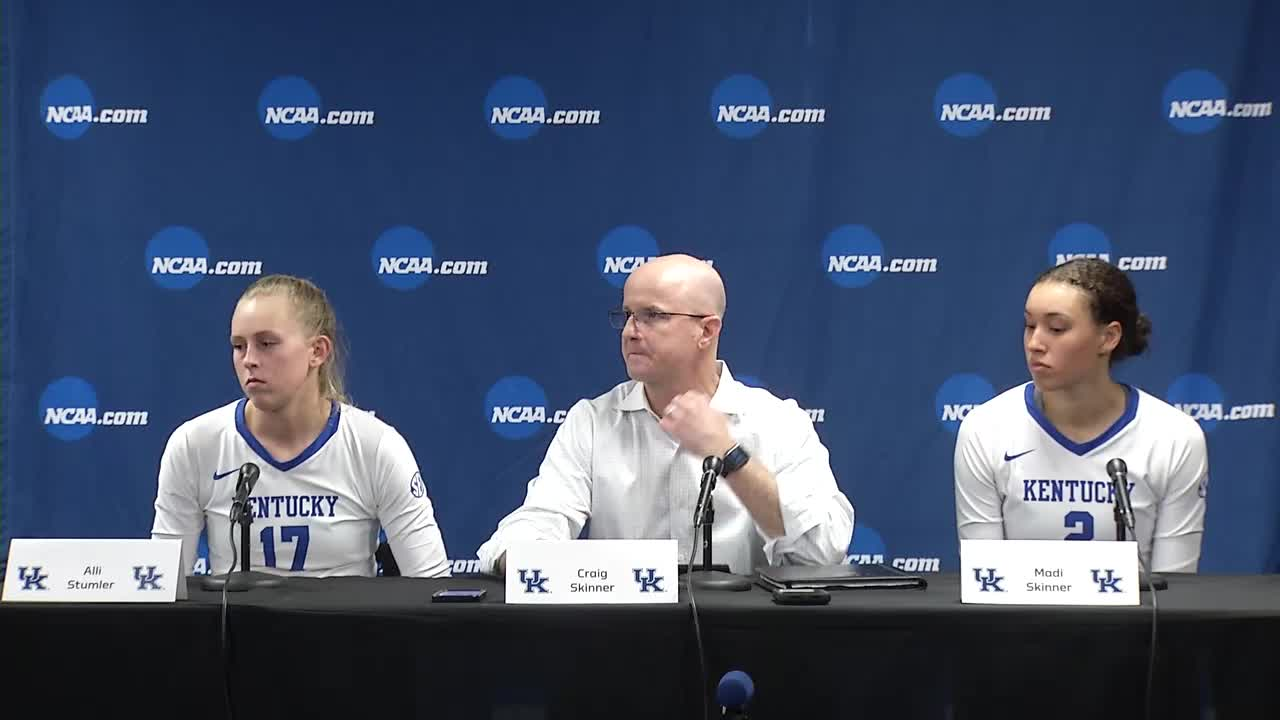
(1008, 457)
(219, 476)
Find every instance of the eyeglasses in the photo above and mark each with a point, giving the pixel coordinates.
(648, 317)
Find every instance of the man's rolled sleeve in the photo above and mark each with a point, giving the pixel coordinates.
(817, 518)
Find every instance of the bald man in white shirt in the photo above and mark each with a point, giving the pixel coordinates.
(630, 460)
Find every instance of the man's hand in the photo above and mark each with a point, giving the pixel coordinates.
(691, 420)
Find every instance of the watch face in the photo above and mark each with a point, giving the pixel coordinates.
(735, 460)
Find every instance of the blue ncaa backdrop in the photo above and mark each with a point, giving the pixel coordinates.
(878, 183)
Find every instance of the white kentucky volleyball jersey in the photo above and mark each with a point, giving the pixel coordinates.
(1018, 478)
(315, 515)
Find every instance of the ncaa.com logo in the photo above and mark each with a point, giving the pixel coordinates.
(201, 565)
(465, 566)
(868, 548)
(958, 395)
(69, 410)
(67, 108)
(1082, 240)
(816, 415)
(742, 107)
(1201, 397)
(622, 250)
(404, 259)
(853, 257)
(516, 408)
(177, 258)
(965, 105)
(289, 108)
(1195, 101)
(516, 109)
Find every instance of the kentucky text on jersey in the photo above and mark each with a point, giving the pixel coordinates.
(1089, 491)
(290, 506)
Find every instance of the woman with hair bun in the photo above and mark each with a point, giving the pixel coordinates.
(1031, 463)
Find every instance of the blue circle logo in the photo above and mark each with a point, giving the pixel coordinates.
(1194, 101)
(177, 258)
(202, 554)
(417, 488)
(516, 407)
(866, 546)
(1079, 240)
(515, 108)
(741, 106)
(1199, 396)
(622, 250)
(965, 105)
(69, 408)
(66, 106)
(403, 258)
(958, 395)
(852, 256)
(289, 108)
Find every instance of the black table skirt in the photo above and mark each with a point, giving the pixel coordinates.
(353, 647)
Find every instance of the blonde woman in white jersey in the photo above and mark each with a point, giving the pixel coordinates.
(330, 473)
(1031, 462)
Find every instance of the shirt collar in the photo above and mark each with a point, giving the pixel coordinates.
(728, 398)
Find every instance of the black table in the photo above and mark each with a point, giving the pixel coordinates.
(923, 654)
(380, 648)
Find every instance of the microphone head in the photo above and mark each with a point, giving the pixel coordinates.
(1116, 467)
(712, 462)
(735, 690)
(248, 476)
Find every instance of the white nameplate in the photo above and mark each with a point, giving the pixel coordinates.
(1048, 572)
(75, 570)
(587, 572)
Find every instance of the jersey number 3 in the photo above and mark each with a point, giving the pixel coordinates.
(1081, 522)
(299, 534)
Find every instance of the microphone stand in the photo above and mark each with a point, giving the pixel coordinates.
(1120, 521)
(705, 517)
(1146, 580)
(242, 579)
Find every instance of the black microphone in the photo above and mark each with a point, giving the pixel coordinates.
(711, 466)
(1119, 473)
(243, 578)
(704, 516)
(734, 693)
(245, 481)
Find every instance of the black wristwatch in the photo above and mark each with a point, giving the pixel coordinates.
(734, 460)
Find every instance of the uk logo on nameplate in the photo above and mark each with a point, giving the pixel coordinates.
(592, 572)
(78, 570)
(1049, 572)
